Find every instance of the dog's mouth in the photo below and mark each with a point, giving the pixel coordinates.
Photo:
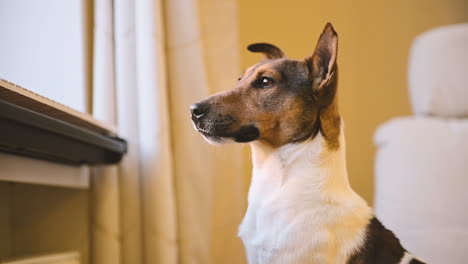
(220, 131)
(210, 130)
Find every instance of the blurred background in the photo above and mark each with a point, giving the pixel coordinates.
(175, 199)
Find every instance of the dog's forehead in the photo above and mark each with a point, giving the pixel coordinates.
(284, 66)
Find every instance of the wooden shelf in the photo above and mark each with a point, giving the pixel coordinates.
(60, 258)
(20, 96)
(34, 126)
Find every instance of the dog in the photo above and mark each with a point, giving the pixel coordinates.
(301, 208)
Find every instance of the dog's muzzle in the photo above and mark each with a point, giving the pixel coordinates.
(216, 127)
(203, 123)
(199, 113)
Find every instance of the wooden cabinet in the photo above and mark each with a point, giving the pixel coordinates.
(45, 196)
(60, 258)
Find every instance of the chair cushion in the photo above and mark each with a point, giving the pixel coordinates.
(421, 180)
(438, 72)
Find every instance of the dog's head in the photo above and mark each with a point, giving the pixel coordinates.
(277, 100)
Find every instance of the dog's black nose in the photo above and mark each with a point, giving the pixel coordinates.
(199, 109)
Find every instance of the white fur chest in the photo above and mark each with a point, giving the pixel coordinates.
(301, 208)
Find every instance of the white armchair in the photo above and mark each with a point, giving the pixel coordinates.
(422, 161)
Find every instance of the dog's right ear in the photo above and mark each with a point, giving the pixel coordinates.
(270, 51)
(323, 73)
(322, 63)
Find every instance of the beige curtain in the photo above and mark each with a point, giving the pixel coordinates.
(174, 198)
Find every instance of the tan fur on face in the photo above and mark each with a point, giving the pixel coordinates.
(282, 113)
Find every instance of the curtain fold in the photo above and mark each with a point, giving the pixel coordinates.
(128, 126)
(159, 201)
(105, 222)
(174, 198)
(202, 50)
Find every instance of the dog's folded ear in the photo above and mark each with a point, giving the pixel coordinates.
(270, 51)
(322, 63)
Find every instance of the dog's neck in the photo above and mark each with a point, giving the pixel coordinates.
(304, 187)
(311, 162)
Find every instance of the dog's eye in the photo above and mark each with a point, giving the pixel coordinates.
(266, 82)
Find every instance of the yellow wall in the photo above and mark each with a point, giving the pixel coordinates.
(375, 37)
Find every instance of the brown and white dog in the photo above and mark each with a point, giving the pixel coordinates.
(301, 207)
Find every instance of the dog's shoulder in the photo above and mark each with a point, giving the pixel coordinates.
(381, 246)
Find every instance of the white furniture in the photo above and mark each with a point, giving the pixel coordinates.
(422, 161)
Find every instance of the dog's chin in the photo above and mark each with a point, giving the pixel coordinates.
(211, 138)
(217, 140)
(245, 134)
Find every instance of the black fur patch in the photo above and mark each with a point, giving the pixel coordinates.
(270, 51)
(415, 261)
(381, 246)
(246, 134)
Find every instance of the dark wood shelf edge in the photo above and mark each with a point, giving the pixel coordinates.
(28, 133)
